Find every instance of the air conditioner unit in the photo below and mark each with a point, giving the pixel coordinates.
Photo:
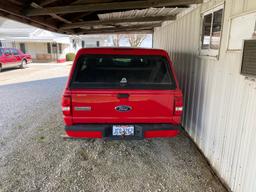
(249, 58)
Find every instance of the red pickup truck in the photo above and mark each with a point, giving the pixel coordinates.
(12, 57)
(122, 93)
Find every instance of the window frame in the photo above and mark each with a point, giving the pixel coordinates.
(73, 85)
(210, 51)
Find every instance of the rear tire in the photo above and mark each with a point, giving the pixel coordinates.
(23, 62)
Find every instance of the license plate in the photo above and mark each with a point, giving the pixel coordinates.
(119, 130)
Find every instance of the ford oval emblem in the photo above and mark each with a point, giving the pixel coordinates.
(123, 108)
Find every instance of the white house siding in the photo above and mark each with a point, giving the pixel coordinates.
(220, 104)
(39, 52)
(36, 48)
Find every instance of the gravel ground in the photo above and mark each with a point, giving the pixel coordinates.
(33, 156)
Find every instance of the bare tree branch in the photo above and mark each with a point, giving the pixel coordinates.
(135, 40)
(116, 39)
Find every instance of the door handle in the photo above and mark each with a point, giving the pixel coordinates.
(122, 95)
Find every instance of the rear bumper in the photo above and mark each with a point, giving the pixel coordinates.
(105, 131)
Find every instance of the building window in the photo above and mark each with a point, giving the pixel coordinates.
(54, 48)
(49, 50)
(74, 44)
(206, 33)
(211, 31)
(22, 47)
(60, 48)
(83, 44)
(254, 32)
(97, 43)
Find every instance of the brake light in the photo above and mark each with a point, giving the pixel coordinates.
(66, 105)
(178, 106)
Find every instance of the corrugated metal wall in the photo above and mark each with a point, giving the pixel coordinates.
(220, 104)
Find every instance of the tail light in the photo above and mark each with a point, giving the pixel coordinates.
(178, 106)
(66, 105)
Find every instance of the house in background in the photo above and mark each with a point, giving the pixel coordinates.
(87, 41)
(44, 46)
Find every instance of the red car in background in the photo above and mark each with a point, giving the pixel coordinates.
(12, 57)
(122, 93)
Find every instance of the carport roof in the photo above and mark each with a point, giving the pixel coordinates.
(94, 16)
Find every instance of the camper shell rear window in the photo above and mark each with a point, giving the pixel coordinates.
(122, 71)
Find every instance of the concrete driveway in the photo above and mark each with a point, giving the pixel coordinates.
(33, 156)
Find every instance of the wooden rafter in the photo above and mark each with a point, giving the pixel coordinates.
(115, 21)
(80, 2)
(115, 31)
(46, 2)
(53, 15)
(119, 29)
(12, 11)
(108, 6)
(124, 28)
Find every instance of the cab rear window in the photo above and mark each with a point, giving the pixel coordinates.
(126, 72)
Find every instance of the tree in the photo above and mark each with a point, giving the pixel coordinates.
(135, 40)
(116, 40)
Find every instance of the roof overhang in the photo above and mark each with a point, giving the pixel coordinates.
(94, 16)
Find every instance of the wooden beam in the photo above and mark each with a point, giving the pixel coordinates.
(27, 21)
(14, 12)
(80, 2)
(53, 15)
(16, 2)
(111, 22)
(46, 2)
(77, 17)
(134, 29)
(108, 6)
(117, 31)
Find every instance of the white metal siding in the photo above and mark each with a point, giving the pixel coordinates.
(220, 104)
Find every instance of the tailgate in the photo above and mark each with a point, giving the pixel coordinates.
(123, 106)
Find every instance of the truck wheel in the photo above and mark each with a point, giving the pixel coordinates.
(23, 62)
